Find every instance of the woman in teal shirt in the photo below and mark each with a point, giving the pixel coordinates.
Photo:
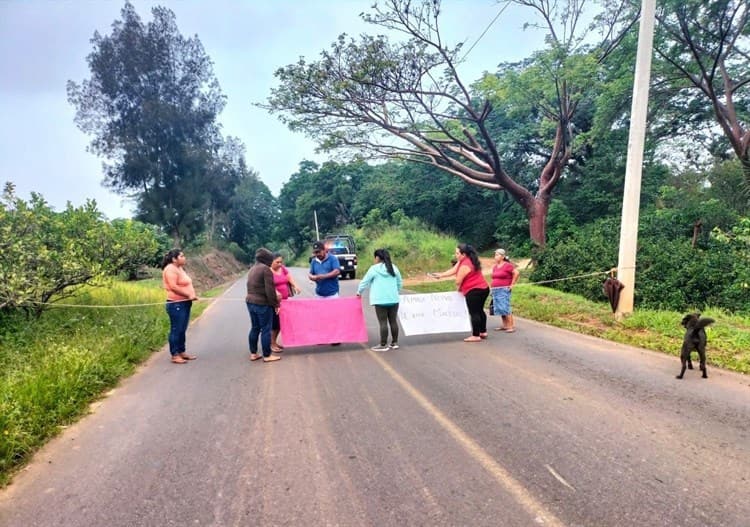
(384, 280)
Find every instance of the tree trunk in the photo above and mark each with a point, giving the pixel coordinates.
(176, 237)
(536, 212)
(696, 231)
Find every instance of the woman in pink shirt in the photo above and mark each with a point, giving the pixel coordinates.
(285, 284)
(504, 277)
(180, 297)
(472, 284)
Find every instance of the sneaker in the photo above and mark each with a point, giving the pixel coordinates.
(380, 348)
(394, 346)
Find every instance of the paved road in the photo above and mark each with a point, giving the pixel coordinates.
(541, 427)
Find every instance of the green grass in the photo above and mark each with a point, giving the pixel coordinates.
(729, 337)
(414, 251)
(53, 367)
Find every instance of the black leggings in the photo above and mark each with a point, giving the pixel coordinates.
(475, 300)
(387, 315)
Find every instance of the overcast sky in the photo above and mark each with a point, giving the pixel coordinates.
(44, 43)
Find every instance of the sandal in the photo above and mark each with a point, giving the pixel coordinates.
(483, 335)
(187, 357)
(271, 358)
(277, 349)
(510, 330)
(501, 329)
(473, 339)
(178, 360)
(254, 356)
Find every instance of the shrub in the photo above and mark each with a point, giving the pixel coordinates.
(671, 273)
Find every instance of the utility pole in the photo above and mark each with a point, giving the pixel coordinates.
(315, 217)
(634, 167)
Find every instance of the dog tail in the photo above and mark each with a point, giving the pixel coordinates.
(703, 322)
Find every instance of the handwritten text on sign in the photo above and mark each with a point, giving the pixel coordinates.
(433, 313)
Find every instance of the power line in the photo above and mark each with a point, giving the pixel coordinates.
(507, 3)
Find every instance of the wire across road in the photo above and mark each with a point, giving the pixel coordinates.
(539, 427)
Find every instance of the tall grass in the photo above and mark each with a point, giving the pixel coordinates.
(413, 249)
(51, 368)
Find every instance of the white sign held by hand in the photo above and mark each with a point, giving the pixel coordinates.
(433, 313)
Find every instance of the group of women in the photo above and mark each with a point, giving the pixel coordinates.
(269, 282)
(471, 283)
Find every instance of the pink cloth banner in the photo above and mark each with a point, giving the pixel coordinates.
(310, 321)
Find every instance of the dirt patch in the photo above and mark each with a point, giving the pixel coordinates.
(213, 269)
(487, 264)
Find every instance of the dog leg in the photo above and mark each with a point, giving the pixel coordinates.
(682, 371)
(703, 364)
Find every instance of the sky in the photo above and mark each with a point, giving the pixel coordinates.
(44, 43)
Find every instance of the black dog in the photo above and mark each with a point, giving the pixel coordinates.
(695, 339)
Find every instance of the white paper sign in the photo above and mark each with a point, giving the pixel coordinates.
(433, 313)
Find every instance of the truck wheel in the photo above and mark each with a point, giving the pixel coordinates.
(352, 274)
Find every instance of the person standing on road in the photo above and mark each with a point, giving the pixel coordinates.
(262, 302)
(472, 284)
(180, 297)
(504, 277)
(324, 271)
(385, 281)
(285, 287)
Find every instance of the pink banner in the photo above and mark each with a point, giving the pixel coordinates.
(310, 321)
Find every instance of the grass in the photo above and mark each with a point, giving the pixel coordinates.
(53, 367)
(729, 337)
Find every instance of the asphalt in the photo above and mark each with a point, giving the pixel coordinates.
(539, 427)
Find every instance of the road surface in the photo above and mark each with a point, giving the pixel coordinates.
(540, 427)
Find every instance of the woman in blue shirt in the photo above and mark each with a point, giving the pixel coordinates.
(384, 279)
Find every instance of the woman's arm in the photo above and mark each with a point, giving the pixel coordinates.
(461, 274)
(515, 276)
(366, 280)
(445, 274)
(293, 284)
(171, 275)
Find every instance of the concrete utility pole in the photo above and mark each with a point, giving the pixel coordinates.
(632, 197)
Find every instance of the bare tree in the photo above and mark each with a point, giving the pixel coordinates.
(704, 49)
(404, 98)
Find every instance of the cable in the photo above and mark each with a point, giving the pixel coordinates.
(56, 304)
(507, 3)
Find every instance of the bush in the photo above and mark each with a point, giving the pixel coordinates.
(47, 255)
(671, 274)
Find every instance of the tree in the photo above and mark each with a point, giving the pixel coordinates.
(228, 171)
(405, 99)
(704, 66)
(433, 196)
(45, 256)
(327, 191)
(151, 106)
(252, 214)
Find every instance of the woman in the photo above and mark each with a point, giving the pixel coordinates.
(472, 284)
(285, 287)
(385, 281)
(504, 277)
(180, 297)
(262, 302)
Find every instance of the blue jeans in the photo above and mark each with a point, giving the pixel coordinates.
(179, 317)
(261, 319)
